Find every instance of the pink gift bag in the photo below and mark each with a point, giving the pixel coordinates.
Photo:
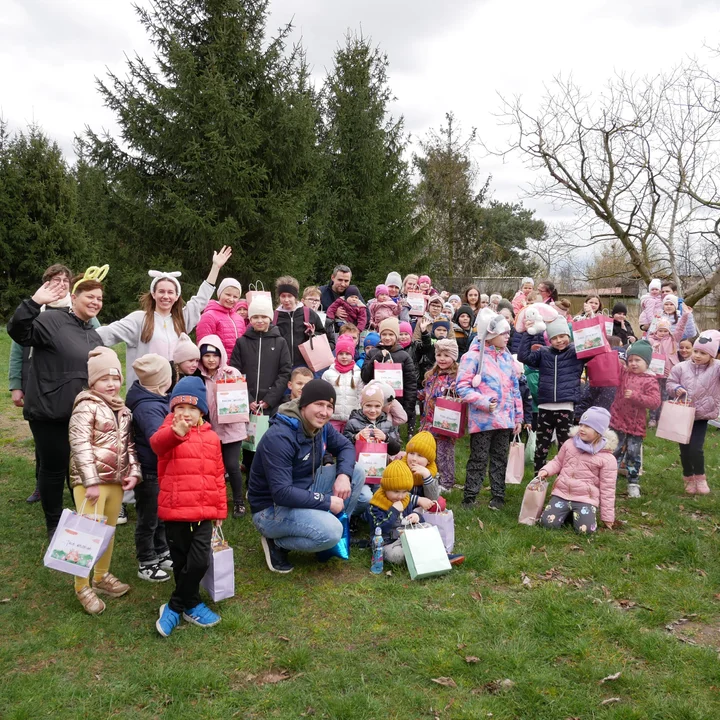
(604, 370)
(317, 353)
(417, 304)
(515, 462)
(657, 365)
(589, 337)
(372, 458)
(676, 422)
(257, 289)
(390, 373)
(449, 417)
(533, 502)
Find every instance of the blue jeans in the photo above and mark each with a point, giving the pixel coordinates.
(305, 529)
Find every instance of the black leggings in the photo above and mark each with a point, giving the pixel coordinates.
(559, 421)
(231, 459)
(52, 450)
(692, 455)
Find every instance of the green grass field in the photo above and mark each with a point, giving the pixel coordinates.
(528, 627)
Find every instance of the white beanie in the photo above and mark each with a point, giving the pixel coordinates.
(260, 305)
(393, 278)
(158, 275)
(229, 282)
(654, 284)
(671, 298)
(497, 326)
(527, 281)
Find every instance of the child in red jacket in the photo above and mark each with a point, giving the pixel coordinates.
(192, 494)
(638, 392)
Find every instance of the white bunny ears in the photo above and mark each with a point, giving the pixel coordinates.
(158, 275)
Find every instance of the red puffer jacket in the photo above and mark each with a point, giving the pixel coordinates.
(629, 415)
(191, 474)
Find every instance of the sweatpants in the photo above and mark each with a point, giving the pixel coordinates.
(631, 447)
(231, 460)
(559, 511)
(692, 455)
(190, 545)
(446, 460)
(108, 504)
(549, 421)
(492, 445)
(150, 541)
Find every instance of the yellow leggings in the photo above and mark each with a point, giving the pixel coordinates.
(108, 504)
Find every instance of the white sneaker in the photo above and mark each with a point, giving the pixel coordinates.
(633, 490)
(122, 516)
(153, 573)
(444, 490)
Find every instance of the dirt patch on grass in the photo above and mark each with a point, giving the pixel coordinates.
(15, 434)
(694, 632)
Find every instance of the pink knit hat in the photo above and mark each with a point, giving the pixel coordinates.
(381, 290)
(406, 327)
(345, 343)
(708, 342)
(424, 279)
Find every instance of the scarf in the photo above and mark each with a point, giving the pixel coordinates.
(114, 402)
(342, 369)
(406, 344)
(381, 500)
(591, 448)
(61, 303)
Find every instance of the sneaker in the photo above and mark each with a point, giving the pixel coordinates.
(122, 515)
(202, 616)
(652, 423)
(238, 510)
(92, 604)
(496, 503)
(445, 490)
(275, 557)
(35, 497)
(468, 504)
(165, 562)
(109, 585)
(633, 490)
(456, 559)
(167, 621)
(153, 573)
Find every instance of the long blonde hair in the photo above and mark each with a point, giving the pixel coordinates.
(452, 370)
(147, 305)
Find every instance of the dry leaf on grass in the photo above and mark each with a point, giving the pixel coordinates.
(476, 596)
(445, 681)
(494, 687)
(470, 659)
(283, 638)
(610, 701)
(615, 676)
(271, 677)
(480, 523)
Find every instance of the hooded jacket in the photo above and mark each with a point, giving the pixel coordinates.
(358, 422)
(61, 342)
(584, 477)
(227, 432)
(629, 415)
(102, 451)
(221, 321)
(264, 359)
(191, 474)
(356, 314)
(623, 330)
(702, 383)
(668, 345)
(463, 337)
(149, 411)
(347, 391)
(410, 376)
(287, 459)
(291, 324)
(380, 311)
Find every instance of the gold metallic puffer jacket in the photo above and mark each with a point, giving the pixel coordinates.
(102, 450)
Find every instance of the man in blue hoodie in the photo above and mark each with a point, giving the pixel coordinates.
(294, 498)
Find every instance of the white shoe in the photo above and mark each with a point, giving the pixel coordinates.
(444, 490)
(633, 490)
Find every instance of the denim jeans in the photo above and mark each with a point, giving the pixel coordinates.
(305, 529)
(150, 542)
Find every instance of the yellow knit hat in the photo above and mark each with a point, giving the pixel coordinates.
(423, 444)
(397, 477)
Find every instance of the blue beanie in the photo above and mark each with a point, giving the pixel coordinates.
(371, 340)
(190, 391)
(441, 323)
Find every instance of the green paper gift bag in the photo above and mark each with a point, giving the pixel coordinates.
(425, 552)
(257, 427)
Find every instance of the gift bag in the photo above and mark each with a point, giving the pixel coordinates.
(444, 521)
(424, 550)
(219, 580)
(317, 353)
(233, 404)
(449, 417)
(78, 542)
(257, 289)
(530, 447)
(676, 421)
(372, 457)
(515, 462)
(392, 374)
(657, 365)
(417, 304)
(604, 370)
(257, 427)
(589, 337)
(608, 324)
(533, 502)
(342, 549)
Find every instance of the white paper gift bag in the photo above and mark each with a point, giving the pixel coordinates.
(425, 552)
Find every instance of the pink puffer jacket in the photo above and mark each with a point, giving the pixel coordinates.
(220, 321)
(629, 415)
(586, 478)
(668, 345)
(702, 383)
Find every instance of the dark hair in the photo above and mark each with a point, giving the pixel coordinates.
(669, 283)
(55, 270)
(88, 286)
(147, 305)
(615, 341)
(465, 292)
(590, 297)
(565, 304)
(342, 269)
(550, 287)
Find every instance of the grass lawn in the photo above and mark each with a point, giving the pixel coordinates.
(528, 627)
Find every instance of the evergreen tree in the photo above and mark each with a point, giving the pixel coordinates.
(368, 207)
(218, 143)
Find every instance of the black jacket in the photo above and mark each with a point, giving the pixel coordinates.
(358, 422)
(149, 411)
(58, 367)
(264, 359)
(293, 330)
(410, 376)
(622, 330)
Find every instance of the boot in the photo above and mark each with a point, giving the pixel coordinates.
(701, 486)
(689, 481)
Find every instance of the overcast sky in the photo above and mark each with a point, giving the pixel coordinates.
(449, 55)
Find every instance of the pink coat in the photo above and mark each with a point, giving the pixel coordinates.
(629, 415)
(652, 307)
(220, 321)
(586, 478)
(380, 311)
(519, 301)
(668, 345)
(702, 383)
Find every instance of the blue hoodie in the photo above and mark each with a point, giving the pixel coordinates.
(283, 469)
(149, 411)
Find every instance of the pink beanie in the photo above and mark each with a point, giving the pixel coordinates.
(381, 290)
(406, 327)
(708, 342)
(345, 343)
(424, 279)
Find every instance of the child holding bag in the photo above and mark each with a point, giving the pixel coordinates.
(439, 382)
(344, 376)
(637, 393)
(103, 464)
(587, 473)
(698, 380)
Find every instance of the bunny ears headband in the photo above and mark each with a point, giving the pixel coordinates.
(92, 273)
(158, 275)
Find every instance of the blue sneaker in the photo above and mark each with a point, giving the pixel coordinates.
(168, 620)
(202, 616)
